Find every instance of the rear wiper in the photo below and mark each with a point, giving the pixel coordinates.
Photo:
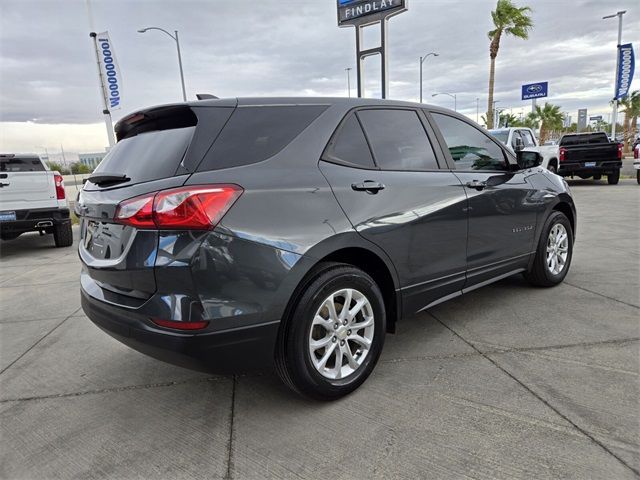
(108, 178)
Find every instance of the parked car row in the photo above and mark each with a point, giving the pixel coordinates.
(583, 155)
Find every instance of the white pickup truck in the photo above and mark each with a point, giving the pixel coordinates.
(32, 199)
(521, 138)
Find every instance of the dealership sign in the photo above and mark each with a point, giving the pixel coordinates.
(359, 12)
(626, 64)
(110, 72)
(532, 91)
(582, 119)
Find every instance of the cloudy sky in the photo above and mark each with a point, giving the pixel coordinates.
(49, 91)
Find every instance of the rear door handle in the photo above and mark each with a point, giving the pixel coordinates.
(368, 186)
(478, 185)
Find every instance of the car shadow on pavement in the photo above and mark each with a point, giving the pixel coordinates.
(28, 243)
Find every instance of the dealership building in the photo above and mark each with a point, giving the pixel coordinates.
(91, 160)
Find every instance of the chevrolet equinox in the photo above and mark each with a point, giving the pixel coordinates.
(235, 234)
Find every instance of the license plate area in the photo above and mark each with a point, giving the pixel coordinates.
(7, 216)
(589, 164)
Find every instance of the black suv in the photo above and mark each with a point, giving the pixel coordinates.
(229, 235)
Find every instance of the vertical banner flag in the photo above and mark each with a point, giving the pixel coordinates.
(110, 71)
(626, 64)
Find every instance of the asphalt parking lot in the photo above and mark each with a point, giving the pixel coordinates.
(507, 382)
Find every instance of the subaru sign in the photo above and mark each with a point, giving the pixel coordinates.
(362, 12)
(109, 70)
(626, 64)
(535, 90)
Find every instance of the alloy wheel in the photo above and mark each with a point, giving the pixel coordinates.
(557, 249)
(341, 333)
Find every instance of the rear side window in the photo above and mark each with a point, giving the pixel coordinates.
(349, 145)
(24, 164)
(254, 134)
(470, 148)
(398, 140)
(148, 156)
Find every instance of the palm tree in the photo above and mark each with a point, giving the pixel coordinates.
(631, 110)
(507, 20)
(550, 118)
(530, 121)
(507, 120)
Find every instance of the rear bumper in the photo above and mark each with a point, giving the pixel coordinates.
(237, 350)
(36, 220)
(569, 169)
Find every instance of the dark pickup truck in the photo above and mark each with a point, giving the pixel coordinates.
(587, 155)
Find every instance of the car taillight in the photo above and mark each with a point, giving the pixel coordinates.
(59, 181)
(137, 212)
(619, 151)
(563, 154)
(636, 152)
(180, 325)
(185, 208)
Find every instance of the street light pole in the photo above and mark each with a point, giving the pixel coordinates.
(177, 40)
(422, 59)
(184, 90)
(348, 70)
(452, 95)
(614, 116)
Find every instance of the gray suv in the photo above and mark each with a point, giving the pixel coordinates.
(240, 234)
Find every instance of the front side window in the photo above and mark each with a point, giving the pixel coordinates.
(528, 138)
(514, 140)
(470, 148)
(349, 145)
(398, 140)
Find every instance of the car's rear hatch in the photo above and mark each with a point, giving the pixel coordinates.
(25, 184)
(157, 150)
(591, 149)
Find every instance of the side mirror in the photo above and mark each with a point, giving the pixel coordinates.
(519, 144)
(528, 159)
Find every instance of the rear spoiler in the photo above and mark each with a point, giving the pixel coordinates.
(159, 118)
(206, 96)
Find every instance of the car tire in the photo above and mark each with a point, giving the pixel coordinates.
(316, 373)
(613, 178)
(63, 235)
(545, 270)
(552, 168)
(638, 177)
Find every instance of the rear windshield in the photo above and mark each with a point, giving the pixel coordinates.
(254, 134)
(24, 164)
(584, 139)
(148, 156)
